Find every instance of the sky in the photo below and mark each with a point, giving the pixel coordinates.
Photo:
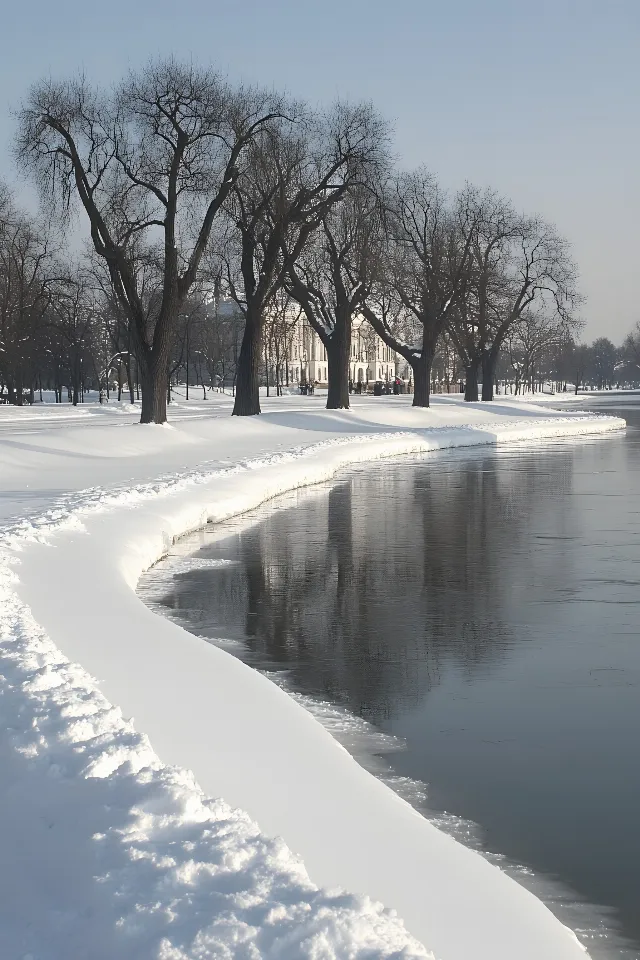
(538, 99)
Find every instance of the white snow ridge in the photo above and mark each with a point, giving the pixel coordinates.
(107, 852)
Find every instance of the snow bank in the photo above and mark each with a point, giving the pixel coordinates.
(106, 852)
(109, 847)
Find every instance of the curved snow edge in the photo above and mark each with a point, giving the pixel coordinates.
(74, 736)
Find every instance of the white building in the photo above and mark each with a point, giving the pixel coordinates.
(371, 358)
(293, 351)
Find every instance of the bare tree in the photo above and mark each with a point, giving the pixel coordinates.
(282, 326)
(533, 344)
(447, 364)
(73, 315)
(151, 163)
(487, 223)
(334, 277)
(519, 266)
(631, 350)
(27, 271)
(427, 263)
(114, 348)
(7, 211)
(601, 363)
(298, 173)
(580, 360)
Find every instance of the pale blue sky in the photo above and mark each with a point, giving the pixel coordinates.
(538, 99)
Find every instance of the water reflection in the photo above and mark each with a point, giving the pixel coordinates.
(365, 593)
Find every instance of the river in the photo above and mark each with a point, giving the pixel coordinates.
(467, 623)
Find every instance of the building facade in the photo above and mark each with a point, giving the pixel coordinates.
(293, 353)
(306, 357)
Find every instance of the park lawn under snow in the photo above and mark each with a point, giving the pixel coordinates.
(110, 847)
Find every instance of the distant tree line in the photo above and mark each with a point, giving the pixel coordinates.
(218, 215)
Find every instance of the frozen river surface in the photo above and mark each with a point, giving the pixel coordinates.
(484, 608)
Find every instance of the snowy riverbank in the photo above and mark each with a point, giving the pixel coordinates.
(109, 847)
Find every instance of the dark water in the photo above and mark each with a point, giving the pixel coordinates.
(482, 606)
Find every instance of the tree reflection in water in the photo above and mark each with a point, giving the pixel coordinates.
(366, 593)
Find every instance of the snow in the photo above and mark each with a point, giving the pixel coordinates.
(110, 847)
(561, 397)
(108, 853)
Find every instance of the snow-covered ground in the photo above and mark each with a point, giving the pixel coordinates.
(568, 396)
(110, 848)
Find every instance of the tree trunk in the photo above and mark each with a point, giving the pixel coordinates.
(130, 379)
(421, 367)
(155, 377)
(471, 382)
(247, 385)
(338, 348)
(489, 361)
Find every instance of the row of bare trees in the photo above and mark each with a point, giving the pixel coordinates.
(43, 320)
(183, 177)
(194, 189)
